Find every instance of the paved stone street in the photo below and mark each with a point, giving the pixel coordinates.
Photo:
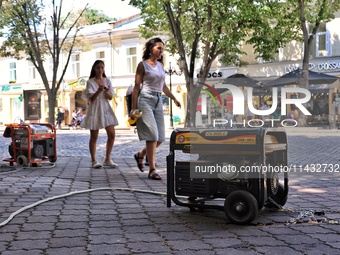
(110, 220)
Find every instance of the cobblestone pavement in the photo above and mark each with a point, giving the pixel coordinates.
(110, 220)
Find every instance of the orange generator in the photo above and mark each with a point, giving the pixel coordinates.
(31, 143)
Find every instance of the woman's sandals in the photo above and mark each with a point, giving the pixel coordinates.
(154, 176)
(139, 165)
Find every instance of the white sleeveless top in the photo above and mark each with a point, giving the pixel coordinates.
(154, 77)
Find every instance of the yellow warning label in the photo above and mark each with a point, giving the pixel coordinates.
(216, 133)
(192, 138)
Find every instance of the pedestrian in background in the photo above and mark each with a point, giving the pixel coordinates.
(74, 115)
(98, 93)
(60, 117)
(147, 97)
(80, 115)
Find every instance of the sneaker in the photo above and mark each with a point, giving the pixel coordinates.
(95, 164)
(111, 164)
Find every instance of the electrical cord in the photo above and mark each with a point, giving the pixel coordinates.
(74, 193)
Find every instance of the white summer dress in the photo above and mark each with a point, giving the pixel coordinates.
(99, 112)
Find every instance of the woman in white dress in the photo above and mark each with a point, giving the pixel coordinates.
(98, 93)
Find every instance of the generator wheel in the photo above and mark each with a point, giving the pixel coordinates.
(279, 198)
(22, 161)
(241, 207)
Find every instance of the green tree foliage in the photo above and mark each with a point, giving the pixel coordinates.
(93, 16)
(273, 27)
(32, 35)
(90, 17)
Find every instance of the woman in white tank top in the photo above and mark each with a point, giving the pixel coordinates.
(147, 97)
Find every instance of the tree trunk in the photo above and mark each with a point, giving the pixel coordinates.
(192, 97)
(51, 111)
(52, 96)
(303, 83)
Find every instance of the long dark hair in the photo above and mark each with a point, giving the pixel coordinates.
(148, 46)
(93, 72)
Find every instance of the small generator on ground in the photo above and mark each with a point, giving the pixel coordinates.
(31, 143)
(244, 168)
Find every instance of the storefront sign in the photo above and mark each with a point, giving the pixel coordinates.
(329, 65)
(7, 88)
(212, 75)
(319, 66)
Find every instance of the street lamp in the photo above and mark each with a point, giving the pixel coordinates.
(170, 72)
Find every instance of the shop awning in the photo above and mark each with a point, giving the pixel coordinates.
(241, 80)
(292, 78)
